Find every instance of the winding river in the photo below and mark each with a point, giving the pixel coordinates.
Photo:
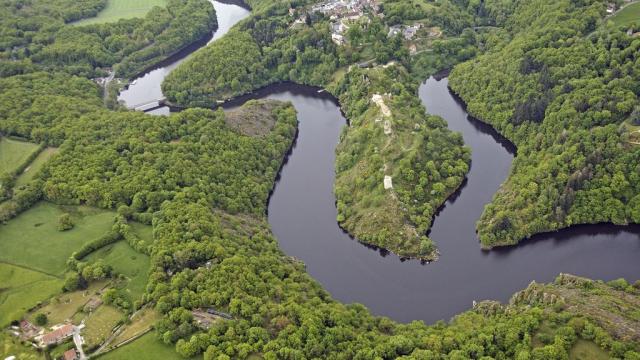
(302, 215)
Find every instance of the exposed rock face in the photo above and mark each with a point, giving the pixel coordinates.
(615, 310)
(255, 118)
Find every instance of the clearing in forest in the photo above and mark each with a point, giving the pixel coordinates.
(29, 173)
(122, 9)
(126, 261)
(14, 153)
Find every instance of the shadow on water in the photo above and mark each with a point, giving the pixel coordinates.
(302, 214)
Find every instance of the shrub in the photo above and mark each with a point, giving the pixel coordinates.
(41, 319)
(65, 222)
(619, 284)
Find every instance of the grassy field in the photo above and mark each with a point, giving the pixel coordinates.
(587, 350)
(13, 153)
(66, 305)
(100, 324)
(11, 346)
(35, 166)
(33, 241)
(145, 232)
(123, 9)
(147, 347)
(141, 322)
(127, 261)
(22, 289)
(627, 16)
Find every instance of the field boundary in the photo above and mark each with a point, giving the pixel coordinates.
(31, 269)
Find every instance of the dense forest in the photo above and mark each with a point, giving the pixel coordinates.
(565, 92)
(37, 36)
(202, 177)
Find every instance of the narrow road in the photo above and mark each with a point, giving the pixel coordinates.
(105, 92)
(77, 340)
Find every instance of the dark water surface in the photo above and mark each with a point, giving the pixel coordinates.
(302, 214)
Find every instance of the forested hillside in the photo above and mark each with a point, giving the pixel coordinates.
(426, 161)
(201, 178)
(565, 91)
(423, 159)
(36, 36)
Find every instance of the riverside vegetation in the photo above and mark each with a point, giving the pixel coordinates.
(201, 178)
(425, 159)
(564, 91)
(573, 118)
(36, 36)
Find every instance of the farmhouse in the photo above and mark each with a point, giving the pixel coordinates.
(29, 330)
(70, 354)
(56, 336)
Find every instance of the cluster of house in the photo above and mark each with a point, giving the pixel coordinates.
(407, 31)
(341, 12)
(612, 7)
(59, 333)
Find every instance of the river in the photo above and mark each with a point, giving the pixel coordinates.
(147, 87)
(302, 215)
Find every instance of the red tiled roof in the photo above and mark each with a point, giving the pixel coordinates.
(70, 354)
(57, 335)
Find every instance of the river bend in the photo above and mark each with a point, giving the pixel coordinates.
(302, 215)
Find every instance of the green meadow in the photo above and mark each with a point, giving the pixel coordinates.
(587, 350)
(32, 239)
(11, 346)
(122, 9)
(147, 347)
(125, 260)
(35, 166)
(627, 16)
(22, 289)
(13, 153)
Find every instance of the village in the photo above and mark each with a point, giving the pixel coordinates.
(344, 13)
(341, 12)
(79, 325)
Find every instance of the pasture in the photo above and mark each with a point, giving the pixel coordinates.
(99, 325)
(122, 9)
(29, 173)
(64, 306)
(11, 346)
(627, 16)
(141, 321)
(14, 153)
(147, 347)
(22, 289)
(125, 260)
(32, 239)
